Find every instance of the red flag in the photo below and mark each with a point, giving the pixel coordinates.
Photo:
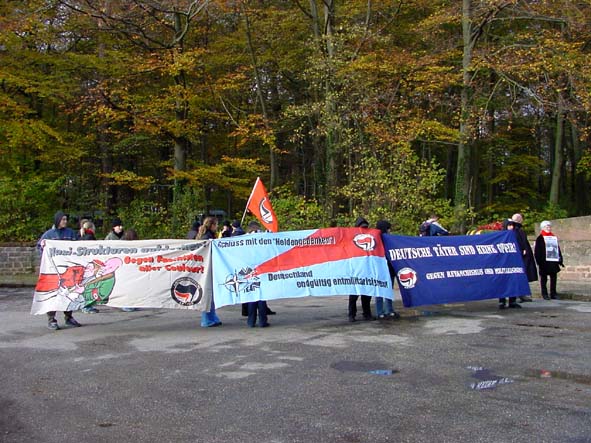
(260, 206)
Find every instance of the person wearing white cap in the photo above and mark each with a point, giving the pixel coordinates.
(549, 258)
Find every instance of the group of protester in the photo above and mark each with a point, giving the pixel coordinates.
(546, 254)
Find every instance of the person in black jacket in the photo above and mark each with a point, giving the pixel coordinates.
(527, 254)
(365, 299)
(549, 258)
(509, 225)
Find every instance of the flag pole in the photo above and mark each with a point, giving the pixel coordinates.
(249, 198)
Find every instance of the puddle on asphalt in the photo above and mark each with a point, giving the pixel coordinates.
(486, 379)
(372, 367)
(542, 373)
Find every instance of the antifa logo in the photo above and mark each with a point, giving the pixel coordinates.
(365, 242)
(407, 278)
(186, 291)
(266, 213)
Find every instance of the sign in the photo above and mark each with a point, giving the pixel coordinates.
(323, 262)
(172, 274)
(448, 269)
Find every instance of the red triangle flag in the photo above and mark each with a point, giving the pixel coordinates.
(260, 206)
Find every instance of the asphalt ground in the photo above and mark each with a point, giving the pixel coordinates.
(446, 373)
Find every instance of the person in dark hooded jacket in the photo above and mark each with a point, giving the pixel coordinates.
(365, 299)
(59, 231)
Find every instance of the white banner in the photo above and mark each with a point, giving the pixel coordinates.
(172, 274)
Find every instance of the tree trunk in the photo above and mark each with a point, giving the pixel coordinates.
(557, 167)
(463, 172)
(260, 96)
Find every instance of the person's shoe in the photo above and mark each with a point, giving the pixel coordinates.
(514, 306)
(52, 324)
(502, 306)
(269, 312)
(129, 309)
(368, 318)
(90, 310)
(266, 325)
(71, 321)
(525, 299)
(554, 297)
(546, 297)
(394, 315)
(352, 319)
(381, 317)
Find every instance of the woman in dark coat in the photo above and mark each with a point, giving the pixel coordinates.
(527, 254)
(549, 258)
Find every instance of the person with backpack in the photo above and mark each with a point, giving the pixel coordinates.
(432, 228)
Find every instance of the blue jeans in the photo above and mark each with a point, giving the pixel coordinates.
(254, 308)
(210, 318)
(380, 306)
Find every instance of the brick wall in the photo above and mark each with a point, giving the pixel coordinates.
(18, 259)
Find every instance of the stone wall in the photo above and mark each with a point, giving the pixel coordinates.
(18, 259)
(574, 234)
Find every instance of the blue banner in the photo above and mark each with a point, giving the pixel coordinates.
(435, 270)
(322, 262)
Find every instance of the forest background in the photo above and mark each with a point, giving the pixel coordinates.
(159, 111)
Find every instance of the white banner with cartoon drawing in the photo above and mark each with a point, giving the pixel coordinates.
(171, 274)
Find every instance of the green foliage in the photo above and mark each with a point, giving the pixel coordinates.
(296, 212)
(28, 206)
(148, 218)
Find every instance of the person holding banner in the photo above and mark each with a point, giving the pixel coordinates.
(59, 231)
(527, 254)
(207, 231)
(365, 299)
(387, 311)
(509, 225)
(549, 258)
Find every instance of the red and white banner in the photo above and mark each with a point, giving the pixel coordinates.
(172, 274)
(260, 206)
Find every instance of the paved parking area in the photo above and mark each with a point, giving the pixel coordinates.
(446, 373)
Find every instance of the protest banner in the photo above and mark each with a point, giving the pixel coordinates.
(323, 262)
(171, 274)
(448, 269)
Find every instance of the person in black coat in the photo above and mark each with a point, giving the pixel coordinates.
(509, 225)
(549, 258)
(527, 254)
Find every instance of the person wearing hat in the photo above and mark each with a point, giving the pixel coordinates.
(116, 233)
(365, 299)
(116, 230)
(192, 234)
(59, 231)
(237, 229)
(226, 229)
(549, 258)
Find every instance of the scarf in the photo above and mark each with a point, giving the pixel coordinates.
(547, 234)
